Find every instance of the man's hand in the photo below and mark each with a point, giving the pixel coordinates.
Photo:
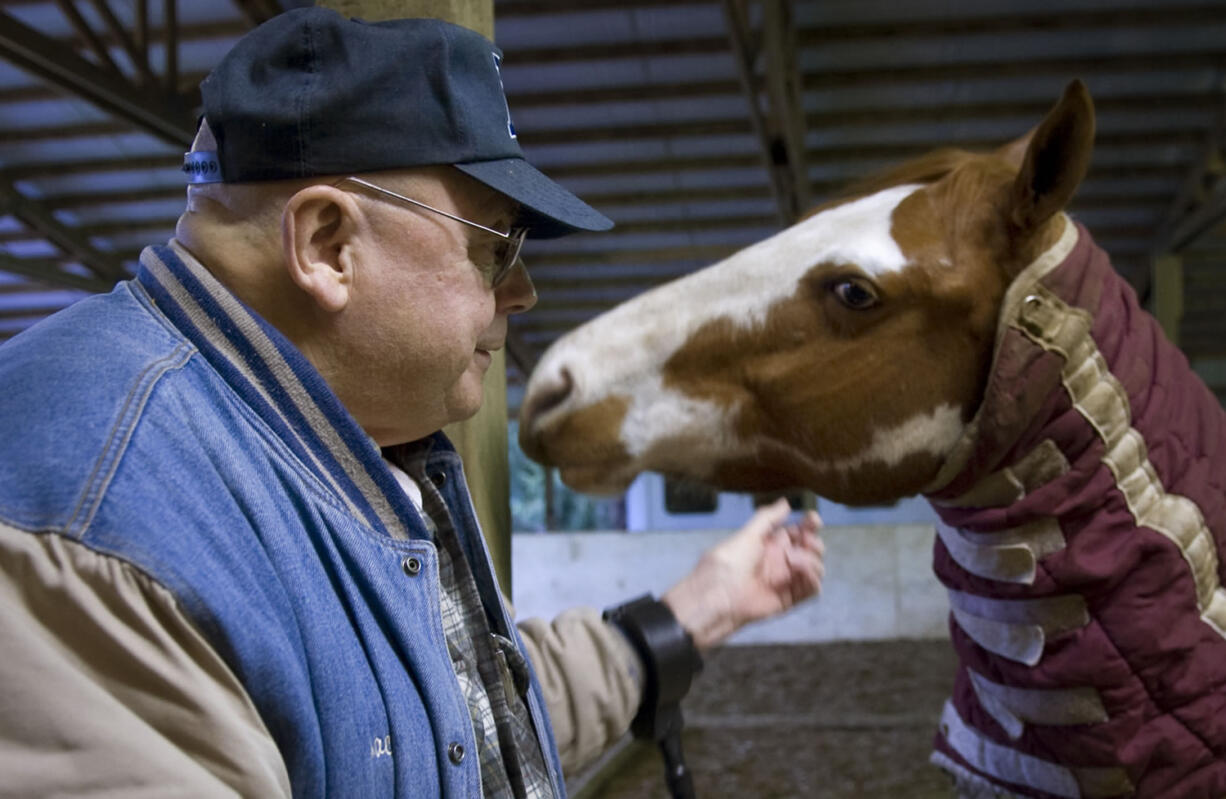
(764, 569)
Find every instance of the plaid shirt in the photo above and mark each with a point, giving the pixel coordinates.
(492, 672)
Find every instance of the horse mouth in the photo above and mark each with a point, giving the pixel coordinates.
(583, 466)
(601, 479)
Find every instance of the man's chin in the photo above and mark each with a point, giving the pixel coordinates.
(464, 404)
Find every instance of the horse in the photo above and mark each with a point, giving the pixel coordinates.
(947, 329)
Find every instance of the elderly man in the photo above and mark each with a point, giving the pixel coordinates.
(236, 553)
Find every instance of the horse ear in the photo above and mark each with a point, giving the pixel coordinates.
(1014, 152)
(1053, 159)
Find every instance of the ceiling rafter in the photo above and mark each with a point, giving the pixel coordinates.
(817, 120)
(525, 99)
(155, 111)
(83, 30)
(766, 62)
(52, 132)
(40, 220)
(1168, 15)
(1056, 67)
(137, 45)
(257, 12)
(191, 32)
(100, 229)
(1189, 135)
(140, 28)
(698, 177)
(84, 166)
(48, 271)
(170, 35)
(89, 198)
(160, 113)
(188, 91)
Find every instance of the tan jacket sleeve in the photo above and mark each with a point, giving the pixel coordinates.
(591, 678)
(107, 689)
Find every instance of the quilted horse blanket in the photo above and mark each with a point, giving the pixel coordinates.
(1082, 541)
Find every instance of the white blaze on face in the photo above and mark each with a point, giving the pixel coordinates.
(622, 351)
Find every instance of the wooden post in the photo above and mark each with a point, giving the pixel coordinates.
(482, 440)
(475, 14)
(1168, 293)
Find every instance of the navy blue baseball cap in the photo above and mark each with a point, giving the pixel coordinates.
(310, 93)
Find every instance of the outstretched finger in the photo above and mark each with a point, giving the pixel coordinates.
(811, 521)
(768, 517)
(806, 572)
(804, 576)
(805, 538)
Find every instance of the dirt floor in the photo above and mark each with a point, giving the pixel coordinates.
(838, 720)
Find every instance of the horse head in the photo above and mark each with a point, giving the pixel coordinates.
(846, 354)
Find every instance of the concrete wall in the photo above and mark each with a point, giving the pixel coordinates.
(879, 584)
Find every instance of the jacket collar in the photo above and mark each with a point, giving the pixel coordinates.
(281, 386)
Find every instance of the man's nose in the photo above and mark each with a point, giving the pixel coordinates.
(516, 294)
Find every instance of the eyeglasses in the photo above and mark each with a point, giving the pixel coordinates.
(506, 253)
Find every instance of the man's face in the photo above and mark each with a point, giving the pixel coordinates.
(425, 318)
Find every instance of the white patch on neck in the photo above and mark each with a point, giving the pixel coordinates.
(931, 433)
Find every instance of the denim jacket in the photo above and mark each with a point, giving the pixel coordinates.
(167, 426)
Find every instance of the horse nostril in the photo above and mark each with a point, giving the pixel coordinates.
(546, 396)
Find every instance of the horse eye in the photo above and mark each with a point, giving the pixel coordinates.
(855, 294)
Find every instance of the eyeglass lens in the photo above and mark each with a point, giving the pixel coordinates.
(507, 252)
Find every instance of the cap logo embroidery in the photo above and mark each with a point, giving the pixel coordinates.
(506, 107)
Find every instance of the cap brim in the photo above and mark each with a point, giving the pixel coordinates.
(548, 209)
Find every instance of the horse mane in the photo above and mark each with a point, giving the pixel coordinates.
(927, 168)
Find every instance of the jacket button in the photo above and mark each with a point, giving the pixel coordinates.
(439, 479)
(455, 751)
(411, 565)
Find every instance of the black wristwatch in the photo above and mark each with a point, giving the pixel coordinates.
(669, 657)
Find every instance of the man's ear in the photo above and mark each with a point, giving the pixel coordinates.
(318, 225)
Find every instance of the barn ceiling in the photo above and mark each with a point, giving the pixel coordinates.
(698, 126)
